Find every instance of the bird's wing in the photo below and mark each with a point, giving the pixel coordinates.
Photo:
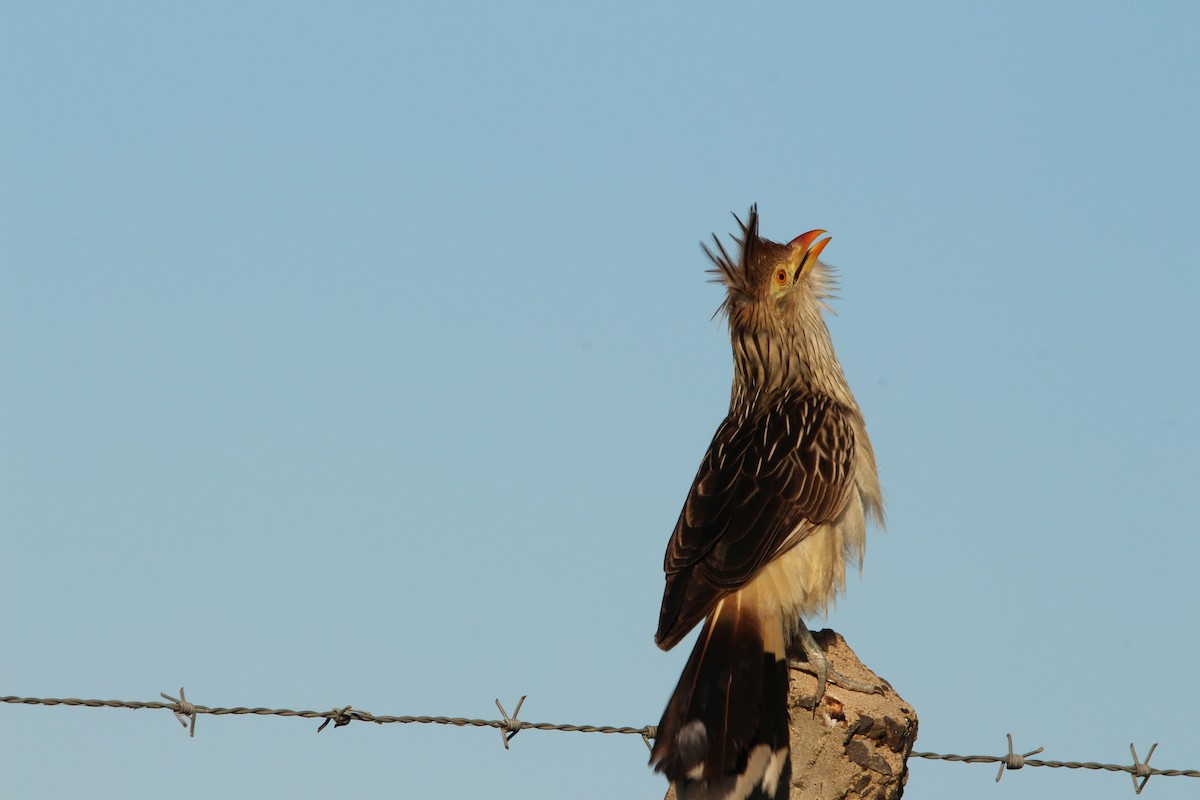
(766, 479)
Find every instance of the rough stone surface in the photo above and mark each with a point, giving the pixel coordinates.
(855, 746)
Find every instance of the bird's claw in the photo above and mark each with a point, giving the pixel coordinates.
(817, 664)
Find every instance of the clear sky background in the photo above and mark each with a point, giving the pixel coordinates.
(362, 354)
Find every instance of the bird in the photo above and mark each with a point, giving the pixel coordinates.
(778, 508)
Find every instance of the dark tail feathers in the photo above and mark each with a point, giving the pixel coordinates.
(725, 731)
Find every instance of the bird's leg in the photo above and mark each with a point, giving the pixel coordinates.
(815, 663)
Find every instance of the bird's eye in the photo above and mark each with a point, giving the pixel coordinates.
(781, 277)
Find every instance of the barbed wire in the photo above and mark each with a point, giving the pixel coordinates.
(509, 726)
(1139, 769)
(183, 710)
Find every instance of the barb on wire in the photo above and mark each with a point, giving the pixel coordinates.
(1141, 769)
(344, 716)
(183, 709)
(1013, 760)
(512, 726)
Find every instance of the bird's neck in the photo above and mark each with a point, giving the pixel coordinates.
(797, 361)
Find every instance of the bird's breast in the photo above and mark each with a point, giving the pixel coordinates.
(803, 581)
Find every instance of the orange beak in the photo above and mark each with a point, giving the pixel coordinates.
(804, 244)
(805, 240)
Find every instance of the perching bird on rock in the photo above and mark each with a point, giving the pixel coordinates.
(777, 509)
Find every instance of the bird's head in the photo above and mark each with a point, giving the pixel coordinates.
(771, 284)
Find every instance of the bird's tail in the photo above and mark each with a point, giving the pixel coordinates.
(725, 731)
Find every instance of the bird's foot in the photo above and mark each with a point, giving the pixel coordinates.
(815, 663)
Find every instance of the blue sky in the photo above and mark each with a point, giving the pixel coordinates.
(363, 355)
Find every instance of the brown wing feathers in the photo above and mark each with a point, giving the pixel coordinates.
(765, 479)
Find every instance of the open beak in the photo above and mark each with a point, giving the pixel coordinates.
(804, 244)
(805, 240)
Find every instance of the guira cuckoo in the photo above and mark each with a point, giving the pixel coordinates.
(777, 509)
